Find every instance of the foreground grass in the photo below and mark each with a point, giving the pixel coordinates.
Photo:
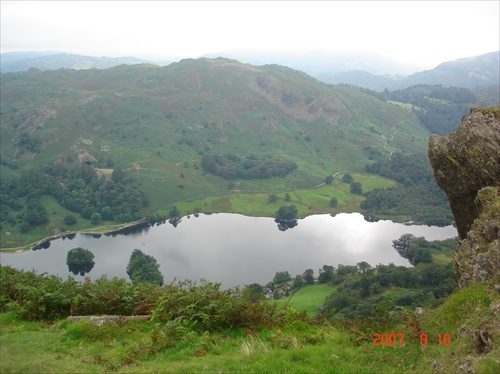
(135, 347)
(298, 347)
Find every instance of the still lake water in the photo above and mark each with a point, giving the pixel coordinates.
(233, 249)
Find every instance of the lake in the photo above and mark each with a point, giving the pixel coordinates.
(233, 249)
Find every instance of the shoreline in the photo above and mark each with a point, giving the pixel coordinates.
(116, 228)
(67, 233)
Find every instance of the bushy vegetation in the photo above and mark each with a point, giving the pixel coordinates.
(286, 217)
(361, 296)
(230, 166)
(418, 196)
(80, 261)
(78, 188)
(200, 327)
(440, 109)
(413, 249)
(200, 307)
(144, 268)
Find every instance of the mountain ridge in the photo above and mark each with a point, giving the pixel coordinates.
(356, 68)
(468, 72)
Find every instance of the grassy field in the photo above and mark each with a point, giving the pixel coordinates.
(313, 200)
(299, 347)
(309, 298)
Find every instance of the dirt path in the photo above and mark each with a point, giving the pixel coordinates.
(392, 137)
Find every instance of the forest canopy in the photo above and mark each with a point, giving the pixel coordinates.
(230, 166)
(418, 196)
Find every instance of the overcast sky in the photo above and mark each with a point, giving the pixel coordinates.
(422, 33)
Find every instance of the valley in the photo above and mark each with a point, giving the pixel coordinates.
(155, 124)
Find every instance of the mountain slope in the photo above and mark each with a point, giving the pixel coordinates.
(188, 108)
(157, 123)
(20, 61)
(469, 72)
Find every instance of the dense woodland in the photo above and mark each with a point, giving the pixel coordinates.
(438, 108)
(230, 166)
(417, 196)
(78, 188)
(362, 291)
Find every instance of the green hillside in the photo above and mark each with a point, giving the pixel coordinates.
(156, 123)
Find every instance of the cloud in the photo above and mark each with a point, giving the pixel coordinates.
(427, 32)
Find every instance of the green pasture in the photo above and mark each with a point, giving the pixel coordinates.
(309, 298)
(309, 201)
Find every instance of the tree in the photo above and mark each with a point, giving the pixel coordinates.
(364, 267)
(80, 260)
(356, 188)
(347, 178)
(255, 291)
(174, 212)
(87, 212)
(329, 179)
(96, 218)
(413, 249)
(286, 217)
(282, 277)
(333, 202)
(69, 219)
(325, 274)
(287, 197)
(106, 213)
(144, 268)
(117, 175)
(308, 276)
(298, 282)
(24, 226)
(375, 288)
(272, 198)
(403, 244)
(421, 255)
(286, 213)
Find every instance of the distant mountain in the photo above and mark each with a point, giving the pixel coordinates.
(362, 69)
(317, 63)
(21, 61)
(469, 72)
(8, 58)
(160, 121)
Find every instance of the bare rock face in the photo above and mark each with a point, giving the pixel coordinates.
(477, 259)
(467, 167)
(466, 161)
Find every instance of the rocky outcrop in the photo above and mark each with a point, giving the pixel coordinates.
(109, 320)
(477, 258)
(467, 166)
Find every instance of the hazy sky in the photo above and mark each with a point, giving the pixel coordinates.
(422, 33)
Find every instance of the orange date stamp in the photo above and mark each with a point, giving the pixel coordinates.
(392, 340)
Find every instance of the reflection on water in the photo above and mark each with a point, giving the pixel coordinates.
(81, 269)
(80, 261)
(285, 224)
(234, 249)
